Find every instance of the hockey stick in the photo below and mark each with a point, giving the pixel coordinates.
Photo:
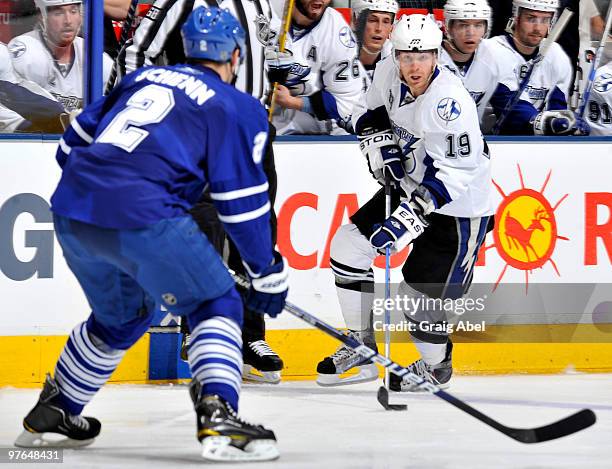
(566, 426)
(287, 13)
(430, 7)
(383, 391)
(595, 64)
(125, 30)
(547, 43)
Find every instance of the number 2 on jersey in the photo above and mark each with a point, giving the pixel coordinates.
(149, 105)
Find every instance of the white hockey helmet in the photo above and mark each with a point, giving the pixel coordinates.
(467, 10)
(537, 5)
(416, 33)
(42, 5)
(387, 6)
(551, 6)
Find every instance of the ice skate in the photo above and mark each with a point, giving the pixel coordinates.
(344, 359)
(48, 425)
(439, 374)
(261, 363)
(226, 437)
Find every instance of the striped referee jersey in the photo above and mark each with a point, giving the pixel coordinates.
(158, 38)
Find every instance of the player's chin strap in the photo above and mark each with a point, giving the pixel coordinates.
(369, 52)
(452, 45)
(532, 49)
(566, 426)
(234, 72)
(49, 42)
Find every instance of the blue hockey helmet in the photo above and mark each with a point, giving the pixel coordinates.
(212, 34)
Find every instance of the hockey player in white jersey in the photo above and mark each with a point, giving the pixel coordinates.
(599, 107)
(372, 21)
(468, 54)
(324, 77)
(420, 125)
(51, 55)
(543, 105)
(25, 106)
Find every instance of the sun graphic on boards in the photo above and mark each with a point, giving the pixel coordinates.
(525, 233)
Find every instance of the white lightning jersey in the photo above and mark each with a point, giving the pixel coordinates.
(482, 74)
(439, 134)
(331, 74)
(599, 108)
(9, 120)
(548, 87)
(27, 96)
(33, 61)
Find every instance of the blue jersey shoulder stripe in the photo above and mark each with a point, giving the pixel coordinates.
(239, 193)
(246, 216)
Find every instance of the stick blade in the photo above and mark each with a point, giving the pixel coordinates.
(571, 424)
(383, 398)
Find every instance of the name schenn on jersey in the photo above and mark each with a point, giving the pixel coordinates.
(193, 88)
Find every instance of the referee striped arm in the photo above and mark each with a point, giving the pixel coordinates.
(152, 34)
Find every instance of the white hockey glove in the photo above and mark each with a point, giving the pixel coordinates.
(560, 122)
(406, 223)
(384, 155)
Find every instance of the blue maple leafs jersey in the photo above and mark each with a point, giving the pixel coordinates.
(147, 151)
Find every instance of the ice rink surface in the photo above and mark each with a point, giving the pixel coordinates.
(154, 426)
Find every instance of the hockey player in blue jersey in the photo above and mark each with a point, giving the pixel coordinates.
(133, 164)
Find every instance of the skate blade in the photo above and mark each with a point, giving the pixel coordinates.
(253, 375)
(219, 449)
(49, 440)
(365, 374)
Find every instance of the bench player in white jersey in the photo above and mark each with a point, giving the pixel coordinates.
(325, 78)
(543, 105)
(468, 54)
(51, 55)
(25, 106)
(372, 22)
(420, 125)
(599, 107)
